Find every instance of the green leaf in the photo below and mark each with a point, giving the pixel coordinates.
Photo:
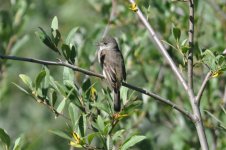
(184, 46)
(102, 106)
(61, 89)
(54, 24)
(66, 51)
(46, 81)
(63, 102)
(132, 106)
(86, 86)
(61, 106)
(70, 84)
(220, 60)
(109, 143)
(100, 123)
(73, 54)
(47, 40)
(184, 49)
(91, 137)
(39, 79)
(55, 32)
(71, 36)
(176, 33)
(82, 125)
(61, 134)
(18, 144)
(27, 80)
(184, 42)
(53, 98)
(118, 134)
(222, 107)
(73, 113)
(68, 74)
(132, 141)
(22, 6)
(209, 59)
(124, 94)
(22, 89)
(4, 137)
(56, 37)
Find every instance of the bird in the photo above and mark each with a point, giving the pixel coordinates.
(113, 66)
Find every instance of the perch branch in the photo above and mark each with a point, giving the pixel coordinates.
(159, 98)
(90, 73)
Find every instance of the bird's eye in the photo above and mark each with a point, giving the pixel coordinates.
(105, 43)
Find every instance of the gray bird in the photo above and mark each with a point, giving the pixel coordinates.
(112, 63)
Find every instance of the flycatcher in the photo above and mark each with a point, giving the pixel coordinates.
(112, 63)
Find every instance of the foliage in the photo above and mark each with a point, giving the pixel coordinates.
(82, 105)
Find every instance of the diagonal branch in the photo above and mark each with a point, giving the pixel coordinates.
(90, 73)
(161, 47)
(159, 98)
(202, 88)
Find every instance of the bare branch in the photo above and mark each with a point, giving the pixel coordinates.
(201, 90)
(60, 63)
(161, 99)
(90, 73)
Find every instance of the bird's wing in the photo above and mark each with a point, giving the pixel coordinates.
(110, 74)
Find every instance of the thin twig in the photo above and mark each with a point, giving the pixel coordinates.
(90, 73)
(191, 43)
(201, 90)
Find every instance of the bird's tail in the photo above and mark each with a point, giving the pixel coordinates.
(117, 102)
